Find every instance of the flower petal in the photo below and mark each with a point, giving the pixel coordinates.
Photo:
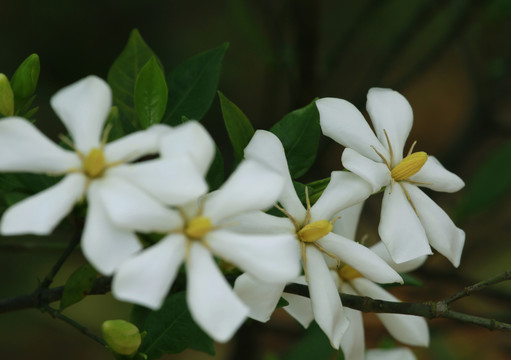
(270, 258)
(266, 148)
(261, 297)
(390, 354)
(41, 213)
(361, 258)
(381, 250)
(25, 148)
(400, 228)
(342, 122)
(390, 111)
(173, 181)
(250, 223)
(442, 234)
(344, 190)
(375, 173)
(252, 186)
(132, 147)
(300, 308)
(347, 225)
(146, 278)
(83, 108)
(212, 302)
(326, 303)
(130, 208)
(190, 138)
(409, 329)
(105, 245)
(353, 342)
(434, 176)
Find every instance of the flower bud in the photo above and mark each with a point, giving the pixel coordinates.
(121, 336)
(24, 80)
(6, 97)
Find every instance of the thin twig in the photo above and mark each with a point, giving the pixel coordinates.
(469, 290)
(57, 314)
(26, 246)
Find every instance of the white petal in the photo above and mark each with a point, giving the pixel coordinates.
(146, 278)
(25, 148)
(353, 342)
(326, 303)
(341, 121)
(400, 228)
(41, 213)
(347, 225)
(212, 302)
(344, 190)
(131, 209)
(266, 148)
(390, 111)
(105, 245)
(300, 308)
(381, 250)
(251, 187)
(390, 354)
(190, 138)
(438, 178)
(442, 234)
(409, 329)
(174, 181)
(271, 258)
(361, 258)
(375, 173)
(261, 297)
(250, 223)
(132, 147)
(83, 108)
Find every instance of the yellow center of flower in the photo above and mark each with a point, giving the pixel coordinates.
(349, 273)
(94, 163)
(409, 166)
(198, 227)
(315, 231)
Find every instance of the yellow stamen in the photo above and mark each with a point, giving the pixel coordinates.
(409, 166)
(349, 273)
(315, 230)
(94, 163)
(198, 227)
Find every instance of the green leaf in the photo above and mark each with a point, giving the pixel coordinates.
(171, 330)
(216, 172)
(24, 80)
(490, 183)
(78, 285)
(6, 97)
(314, 345)
(192, 86)
(114, 123)
(150, 94)
(122, 77)
(238, 126)
(299, 133)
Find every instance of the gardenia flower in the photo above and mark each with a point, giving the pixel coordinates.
(115, 189)
(205, 228)
(410, 220)
(311, 230)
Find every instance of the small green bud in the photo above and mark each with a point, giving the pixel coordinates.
(24, 80)
(121, 336)
(6, 97)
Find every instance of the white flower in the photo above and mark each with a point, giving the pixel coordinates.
(408, 329)
(115, 189)
(410, 220)
(311, 231)
(204, 229)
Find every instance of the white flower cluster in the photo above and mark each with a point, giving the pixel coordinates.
(153, 181)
